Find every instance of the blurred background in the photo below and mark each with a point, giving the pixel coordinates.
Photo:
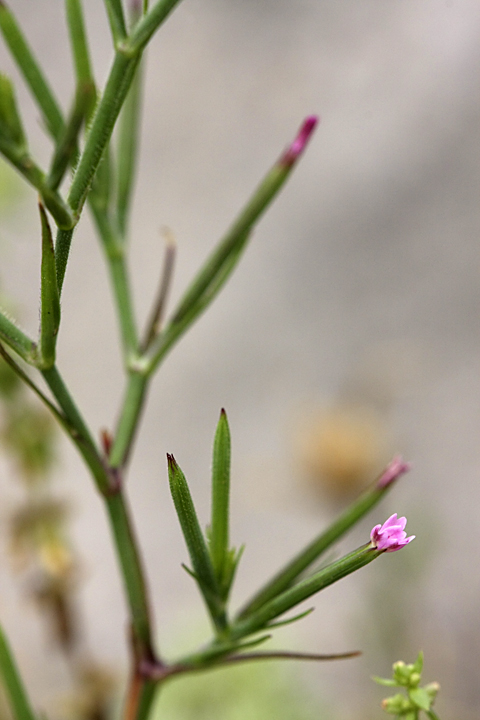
(348, 333)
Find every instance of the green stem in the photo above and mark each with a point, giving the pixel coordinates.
(125, 541)
(132, 572)
(116, 19)
(129, 419)
(81, 435)
(148, 694)
(116, 89)
(115, 254)
(103, 122)
(17, 695)
(78, 39)
(128, 150)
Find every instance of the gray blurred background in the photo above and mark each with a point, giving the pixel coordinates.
(348, 333)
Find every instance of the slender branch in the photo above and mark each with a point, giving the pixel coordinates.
(156, 318)
(29, 382)
(17, 339)
(146, 697)
(121, 75)
(132, 572)
(235, 659)
(125, 541)
(78, 39)
(80, 435)
(129, 419)
(116, 19)
(115, 254)
(128, 141)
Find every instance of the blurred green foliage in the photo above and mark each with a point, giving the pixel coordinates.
(245, 692)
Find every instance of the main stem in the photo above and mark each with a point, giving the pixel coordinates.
(132, 571)
(109, 484)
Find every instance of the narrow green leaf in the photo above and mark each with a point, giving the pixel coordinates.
(418, 664)
(216, 651)
(221, 263)
(16, 339)
(197, 548)
(19, 157)
(13, 684)
(420, 697)
(303, 590)
(78, 40)
(384, 681)
(175, 329)
(31, 71)
(127, 149)
(219, 527)
(50, 301)
(116, 19)
(196, 545)
(290, 620)
(11, 126)
(232, 559)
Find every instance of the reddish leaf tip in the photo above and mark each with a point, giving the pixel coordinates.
(393, 471)
(291, 155)
(172, 463)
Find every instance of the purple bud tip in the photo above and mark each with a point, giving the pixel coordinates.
(390, 536)
(291, 154)
(394, 470)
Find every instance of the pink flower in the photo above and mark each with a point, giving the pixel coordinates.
(391, 535)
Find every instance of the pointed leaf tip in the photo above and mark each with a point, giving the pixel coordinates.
(172, 463)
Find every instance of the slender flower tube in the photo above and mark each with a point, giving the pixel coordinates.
(293, 152)
(394, 470)
(390, 536)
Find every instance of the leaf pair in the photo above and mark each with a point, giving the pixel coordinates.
(213, 561)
